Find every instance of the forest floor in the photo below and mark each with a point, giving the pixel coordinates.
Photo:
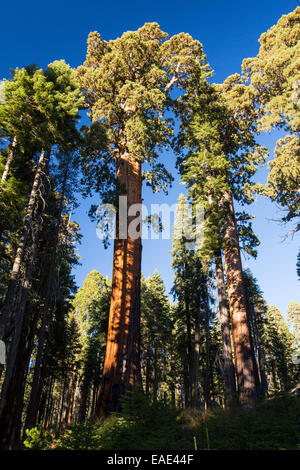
(271, 425)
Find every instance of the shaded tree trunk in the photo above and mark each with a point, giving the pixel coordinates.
(63, 403)
(13, 386)
(155, 380)
(189, 377)
(47, 314)
(207, 376)
(148, 369)
(238, 309)
(8, 309)
(197, 343)
(83, 403)
(229, 373)
(71, 396)
(253, 343)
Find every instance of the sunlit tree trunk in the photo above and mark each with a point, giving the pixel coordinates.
(10, 159)
(122, 360)
(229, 373)
(237, 306)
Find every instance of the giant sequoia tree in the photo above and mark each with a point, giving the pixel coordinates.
(127, 84)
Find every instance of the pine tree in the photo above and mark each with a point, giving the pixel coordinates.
(293, 317)
(190, 289)
(156, 333)
(279, 350)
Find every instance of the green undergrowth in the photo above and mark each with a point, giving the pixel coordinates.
(142, 425)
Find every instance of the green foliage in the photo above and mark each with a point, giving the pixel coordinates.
(218, 155)
(274, 76)
(293, 318)
(157, 346)
(278, 342)
(127, 84)
(90, 314)
(38, 438)
(144, 425)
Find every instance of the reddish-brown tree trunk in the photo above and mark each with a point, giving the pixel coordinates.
(122, 362)
(237, 306)
(229, 373)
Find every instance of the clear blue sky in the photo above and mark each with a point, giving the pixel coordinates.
(40, 32)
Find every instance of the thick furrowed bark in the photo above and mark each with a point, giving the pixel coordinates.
(229, 373)
(238, 310)
(122, 366)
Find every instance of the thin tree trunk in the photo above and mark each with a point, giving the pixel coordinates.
(9, 160)
(189, 349)
(186, 382)
(237, 305)
(229, 373)
(155, 381)
(262, 371)
(251, 322)
(35, 396)
(83, 403)
(260, 358)
(207, 377)
(49, 400)
(8, 308)
(194, 398)
(62, 408)
(148, 370)
(11, 400)
(122, 359)
(72, 396)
